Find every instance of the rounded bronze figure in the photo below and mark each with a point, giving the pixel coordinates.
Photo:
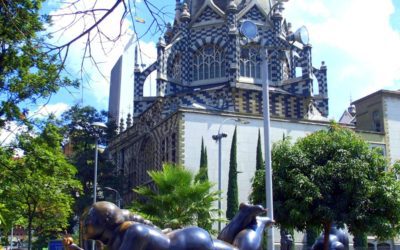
(338, 240)
(121, 230)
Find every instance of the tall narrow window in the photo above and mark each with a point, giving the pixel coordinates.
(250, 62)
(376, 119)
(174, 69)
(208, 63)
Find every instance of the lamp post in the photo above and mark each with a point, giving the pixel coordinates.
(12, 237)
(301, 36)
(117, 195)
(98, 128)
(267, 140)
(267, 153)
(218, 137)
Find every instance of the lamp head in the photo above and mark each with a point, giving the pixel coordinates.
(301, 36)
(99, 125)
(242, 121)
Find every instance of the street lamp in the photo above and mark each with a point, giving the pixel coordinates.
(98, 128)
(117, 195)
(267, 140)
(218, 137)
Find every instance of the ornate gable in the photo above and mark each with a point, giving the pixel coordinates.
(208, 14)
(254, 14)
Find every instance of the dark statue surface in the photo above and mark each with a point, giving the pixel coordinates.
(338, 240)
(286, 240)
(121, 230)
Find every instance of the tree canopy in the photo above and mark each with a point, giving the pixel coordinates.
(177, 199)
(27, 72)
(333, 177)
(79, 134)
(40, 185)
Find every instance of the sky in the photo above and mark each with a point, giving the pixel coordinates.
(358, 39)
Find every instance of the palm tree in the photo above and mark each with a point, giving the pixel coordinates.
(177, 200)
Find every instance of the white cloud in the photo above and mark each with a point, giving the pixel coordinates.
(106, 53)
(12, 129)
(9, 133)
(45, 111)
(96, 70)
(356, 39)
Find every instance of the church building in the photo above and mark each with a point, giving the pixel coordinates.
(211, 64)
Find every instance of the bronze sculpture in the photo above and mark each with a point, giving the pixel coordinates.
(120, 230)
(338, 240)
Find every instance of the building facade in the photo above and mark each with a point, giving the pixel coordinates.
(212, 62)
(213, 59)
(380, 112)
(120, 101)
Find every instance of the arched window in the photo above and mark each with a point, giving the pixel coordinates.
(146, 160)
(174, 69)
(208, 63)
(250, 62)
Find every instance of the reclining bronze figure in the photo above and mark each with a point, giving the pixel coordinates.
(121, 230)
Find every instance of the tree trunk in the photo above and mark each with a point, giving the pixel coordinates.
(312, 235)
(327, 229)
(360, 241)
(30, 233)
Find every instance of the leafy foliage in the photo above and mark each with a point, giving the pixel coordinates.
(333, 176)
(232, 195)
(80, 134)
(178, 200)
(38, 186)
(27, 72)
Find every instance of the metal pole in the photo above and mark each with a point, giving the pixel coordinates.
(219, 179)
(267, 153)
(96, 154)
(12, 236)
(117, 195)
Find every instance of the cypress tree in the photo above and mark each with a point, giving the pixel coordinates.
(258, 194)
(202, 177)
(205, 166)
(259, 156)
(232, 199)
(203, 172)
(202, 153)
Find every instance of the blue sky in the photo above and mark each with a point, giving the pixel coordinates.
(358, 39)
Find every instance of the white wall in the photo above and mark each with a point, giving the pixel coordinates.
(392, 123)
(197, 126)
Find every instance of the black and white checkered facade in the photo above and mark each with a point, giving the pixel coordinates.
(210, 24)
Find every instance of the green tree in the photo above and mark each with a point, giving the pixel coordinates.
(79, 133)
(27, 72)
(202, 176)
(258, 188)
(333, 176)
(177, 199)
(232, 195)
(39, 186)
(203, 172)
(259, 156)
